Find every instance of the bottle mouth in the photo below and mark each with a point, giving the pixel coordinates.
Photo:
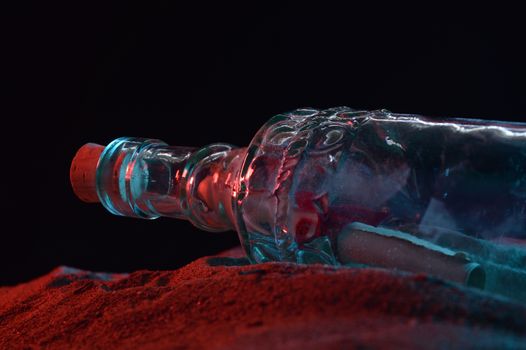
(103, 174)
(121, 174)
(83, 172)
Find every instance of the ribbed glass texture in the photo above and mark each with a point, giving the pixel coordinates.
(345, 187)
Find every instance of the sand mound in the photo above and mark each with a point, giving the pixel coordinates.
(223, 303)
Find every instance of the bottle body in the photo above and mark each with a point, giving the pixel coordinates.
(341, 186)
(456, 186)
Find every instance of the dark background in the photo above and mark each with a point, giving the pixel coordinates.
(197, 74)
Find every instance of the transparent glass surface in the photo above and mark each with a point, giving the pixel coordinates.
(445, 197)
(452, 189)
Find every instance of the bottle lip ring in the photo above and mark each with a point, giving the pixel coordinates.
(122, 149)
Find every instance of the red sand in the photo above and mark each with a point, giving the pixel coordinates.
(213, 303)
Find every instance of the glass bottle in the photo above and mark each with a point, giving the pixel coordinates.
(340, 186)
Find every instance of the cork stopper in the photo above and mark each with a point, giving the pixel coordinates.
(83, 172)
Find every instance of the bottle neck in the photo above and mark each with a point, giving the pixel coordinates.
(146, 178)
